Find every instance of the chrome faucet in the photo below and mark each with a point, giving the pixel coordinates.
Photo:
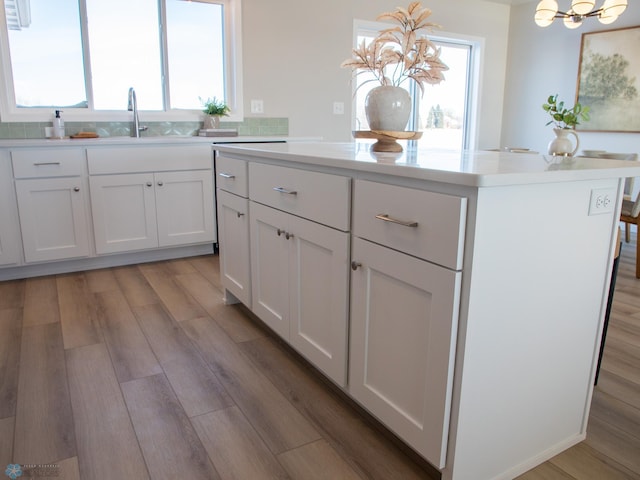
(133, 107)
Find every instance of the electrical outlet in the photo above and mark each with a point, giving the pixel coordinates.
(338, 108)
(257, 106)
(602, 201)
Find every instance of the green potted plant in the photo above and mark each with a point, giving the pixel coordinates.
(395, 55)
(565, 121)
(214, 109)
(564, 117)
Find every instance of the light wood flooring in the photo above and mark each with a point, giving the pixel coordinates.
(141, 372)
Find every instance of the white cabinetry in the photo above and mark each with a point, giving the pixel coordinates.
(50, 188)
(10, 227)
(233, 228)
(158, 207)
(404, 310)
(299, 267)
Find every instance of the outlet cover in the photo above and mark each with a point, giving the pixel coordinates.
(257, 106)
(338, 108)
(603, 200)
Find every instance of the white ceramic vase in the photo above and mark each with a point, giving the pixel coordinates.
(211, 121)
(388, 108)
(562, 145)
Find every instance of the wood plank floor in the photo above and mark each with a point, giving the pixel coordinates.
(142, 372)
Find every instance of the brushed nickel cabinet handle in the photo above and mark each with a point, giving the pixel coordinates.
(76, 189)
(149, 184)
(387, 218)
(355, 265)
(280, 232)
(39, 164)
(160, 184)
(284, 190)
(239, 214)
(227, 175)
(288, 235)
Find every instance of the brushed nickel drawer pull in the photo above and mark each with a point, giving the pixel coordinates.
(355, 265)
(288, 235)
(280, 232)
(149, 184)
(239, 214)
(76, 189)
(160, 184)
(284, 190)
(39, 164)
(227, 175)
(387, 218)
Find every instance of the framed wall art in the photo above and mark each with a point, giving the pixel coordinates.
(609, 80)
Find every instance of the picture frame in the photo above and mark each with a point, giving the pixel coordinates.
(609, 80)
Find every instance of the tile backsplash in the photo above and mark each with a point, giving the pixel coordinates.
(250, 126)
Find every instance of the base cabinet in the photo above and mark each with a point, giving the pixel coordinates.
(402, 344)
(148, 210)
(300, 285)
(53, 219)
(10, 227)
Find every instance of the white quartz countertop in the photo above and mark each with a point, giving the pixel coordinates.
(166, 139)
(470, 168)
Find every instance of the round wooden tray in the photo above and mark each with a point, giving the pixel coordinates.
(386, 139)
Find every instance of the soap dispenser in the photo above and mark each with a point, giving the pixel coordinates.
(58, 125)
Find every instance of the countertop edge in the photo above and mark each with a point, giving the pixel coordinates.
(557, 172)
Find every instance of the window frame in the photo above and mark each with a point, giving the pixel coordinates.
(233, 76)
(476, 54)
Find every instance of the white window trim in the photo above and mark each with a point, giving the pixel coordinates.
(233, 83)
(475, 71)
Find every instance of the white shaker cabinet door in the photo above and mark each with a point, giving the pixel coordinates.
(269, 267)
(124, 212)
(404, 315)
(318, 295)
(185, 207)
(53, 219)
(233, 229)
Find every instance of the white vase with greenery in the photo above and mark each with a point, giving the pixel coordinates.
(214, 109)
(565, 121)
(394, 56)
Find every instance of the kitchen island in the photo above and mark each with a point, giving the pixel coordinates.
(458, 297)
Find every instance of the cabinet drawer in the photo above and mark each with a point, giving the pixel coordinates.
(320, 197)
(231, 176)
(424, 224)
(50, 162)
(145, 158)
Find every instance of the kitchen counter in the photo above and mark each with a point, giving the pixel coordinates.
(469, 168)
(476, 285)
(159, 139)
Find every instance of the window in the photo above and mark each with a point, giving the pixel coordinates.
(446, 111)
(83, 55)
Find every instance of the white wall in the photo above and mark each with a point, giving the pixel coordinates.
(543, 62)
(293, 50)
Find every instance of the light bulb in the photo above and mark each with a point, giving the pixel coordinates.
(582, 7)
(614, 7)
(572, 21)
(543, 22)
(545, 12)
(606, 19)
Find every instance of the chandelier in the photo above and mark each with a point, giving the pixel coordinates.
(547, 11)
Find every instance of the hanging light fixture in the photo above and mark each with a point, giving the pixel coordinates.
(547, 11)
